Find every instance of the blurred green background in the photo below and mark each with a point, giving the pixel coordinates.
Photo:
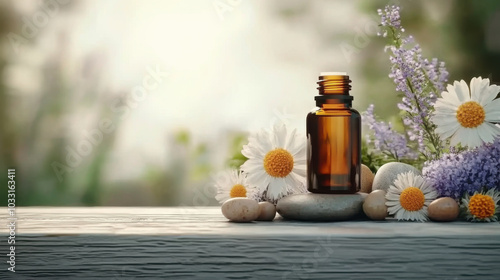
(79, 129)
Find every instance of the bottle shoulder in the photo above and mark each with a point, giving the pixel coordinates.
(355, 112)
(334, 112)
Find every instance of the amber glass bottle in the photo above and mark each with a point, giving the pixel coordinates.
(333, 138)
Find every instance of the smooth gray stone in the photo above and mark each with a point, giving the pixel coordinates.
(388, 172)
(321, 207)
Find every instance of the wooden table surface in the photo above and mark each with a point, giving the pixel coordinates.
(199, 243)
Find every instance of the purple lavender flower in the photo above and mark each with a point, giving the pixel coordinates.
(456, 174)
(385, 139)
(390, 17)
(418, 79)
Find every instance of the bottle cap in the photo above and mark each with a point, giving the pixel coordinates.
(333, 74)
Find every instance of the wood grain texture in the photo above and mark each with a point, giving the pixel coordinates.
(198, 243)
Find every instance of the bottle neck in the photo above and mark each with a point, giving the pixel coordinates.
(334, 106)
(334, 91)
(334, 84)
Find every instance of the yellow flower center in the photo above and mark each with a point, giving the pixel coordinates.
(482, 206)
(470, 114)
(238, 190)
(412, 199)
(278, 163)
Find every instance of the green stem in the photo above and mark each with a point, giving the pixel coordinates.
(393, 155)
(425, 122)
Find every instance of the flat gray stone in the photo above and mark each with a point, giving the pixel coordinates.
(321, 207)
(388, 172)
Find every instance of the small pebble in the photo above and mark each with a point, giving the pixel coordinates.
(366, 179)
(267, 211)
(240, 209)
(374, 205)
(444, 209)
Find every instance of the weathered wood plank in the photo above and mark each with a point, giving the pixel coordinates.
(209, 221)
(181, 243)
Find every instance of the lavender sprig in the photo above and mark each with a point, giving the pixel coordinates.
(385, 139)
(418, 79)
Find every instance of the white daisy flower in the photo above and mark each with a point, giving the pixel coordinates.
(232, 183)
(409, 197)
(276, 162)
(468, 117)
(482, 207)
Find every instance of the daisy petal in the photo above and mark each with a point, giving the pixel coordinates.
(300, 170)
(290, 141)
(492, 110)
(445, 103)
(252, 165)
(477, 86)
(470, 138)
(451, 98)
(462, 91)
(279, 136)
(448, 131)
(485, 133)
(489, 94)
(276, 188)
(493, 130)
